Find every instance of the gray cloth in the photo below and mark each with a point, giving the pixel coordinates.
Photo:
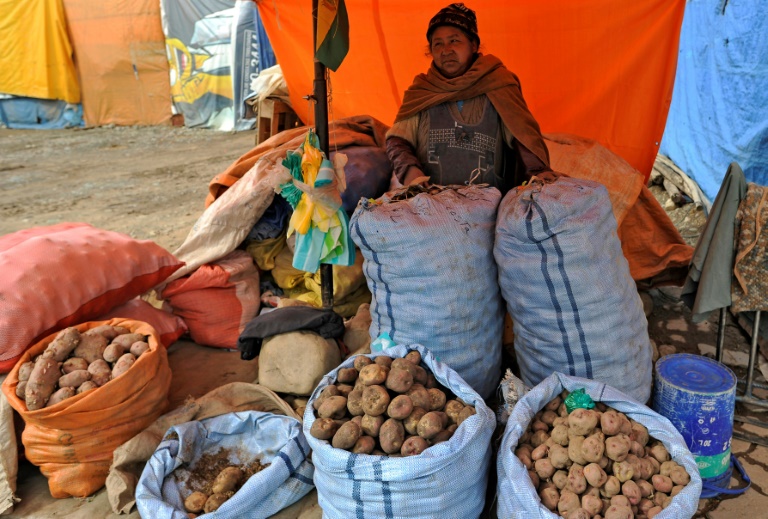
(708, 285)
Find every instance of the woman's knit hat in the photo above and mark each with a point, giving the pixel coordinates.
(456, 15)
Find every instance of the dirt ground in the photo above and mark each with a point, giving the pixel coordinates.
(151, 183)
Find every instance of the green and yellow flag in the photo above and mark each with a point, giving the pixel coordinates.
(332, 42)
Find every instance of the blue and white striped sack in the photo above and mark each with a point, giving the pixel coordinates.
(517, 499)
(270, 438)
(447, 480)
(573, 302)
(430, 268)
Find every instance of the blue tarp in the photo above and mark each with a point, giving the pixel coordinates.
(719, 111)
(27, 113)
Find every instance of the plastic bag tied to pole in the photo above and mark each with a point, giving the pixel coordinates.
(320, 222)
(578, 399)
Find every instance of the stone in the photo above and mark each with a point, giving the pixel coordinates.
(357, 337)
(647, 300)
(654, 351)
(295, 362)
(666, 349)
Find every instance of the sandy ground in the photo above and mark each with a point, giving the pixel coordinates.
(151, 183)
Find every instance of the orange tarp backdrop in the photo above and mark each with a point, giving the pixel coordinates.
(602, 69)
(121, 60)
(36, 57)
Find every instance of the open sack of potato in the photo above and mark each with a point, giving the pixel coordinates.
(78, 407)
(244, 464)
(619, 460)
(411, 439)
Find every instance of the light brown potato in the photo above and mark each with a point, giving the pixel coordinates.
(538, 438)
(592, 504)
(595, 475)
(421, 376)
(361, 361)
(577, 483)
(364, 445)
(646, 489)
(139, 348)
(549, 498)
(60, 395)
(347, 435)
(108, 331)
(86, 386)
(127, 339)
(195, 502)
(659, 452)
(592, 448)
(400, 407)
(544, 468)
(618, 512)
(579, 513)
(535, 478)
(538, 425)
(411, 423)
(215, 501)
(91, 347)
(675, 490)
(662, 483)
(679, 476)
(420, 396)
(391, 436)
(574, 450)
(73, 364)
(653, 512)
(442, 436)
(553, 404)
(399, 380)
(558, 455)
(470, 411)
(631, 491)
(429, 425)
(644, 505)
(334, 407)
(21, 389)
(347, 376)
(355, 402)
(414, 446)
(328, 391)
(568, 501)
(559, 478)
(75, 378)
(113, 352)
(358, 420)
(123, 364)
(549, 417)
(437, 398)
(100, 372)
(25, 370)
(610, 422)
(611, 487)
(623, 470)
(371, 425)
(524, 455)
(617, 447)
(639, 433)
(227, 480)
(659, 498)
(63, 344)
(667, 466)
(582, 421)
(323, 428)
(373, 375)
(375, 400)
(345, 389)
(452, 409)
(414, 357)
(540, 452)
(42, 383)
(559, 435)
(383, 360)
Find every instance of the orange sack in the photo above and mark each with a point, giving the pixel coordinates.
(72, 442)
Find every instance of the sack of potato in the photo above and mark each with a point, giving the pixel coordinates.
(396, 435)
(618, 460)
(82, 393)
(244, 464)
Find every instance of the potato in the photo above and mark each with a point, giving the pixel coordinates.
(568, 501)
(623, 470)
(63, 344)
(42, 382)
(91, 347)
(323, 428)
(662, 483)
(375, 400)
(73, 364)
(595, 475)
(644, 505)
(574, 450)
(659, 498)
(411, 423)
(524, 455)
(215, 501)
(538, 425)
(364, 445)
(371, 425)
(328, 391)
(86, 386)
(618, 512)
(549, 417)
(391, 436)
(540, 452)
(126, 340)
(400, 407)
(679, 476)
(653, 512)
(592, 448)
(637, 449)
(553, 404)
(25, 370)
(431, 424)
(576, 481)
(549, 498)
(414, 446)
(544, 468)
(123, 364)
(559, 478)
(414, 357)
(358, 420)
(346, 436)
(578, 513)
(592, 504)
(347, 376)
(399, 380)
(617, 447)
(373, 375)
(75, 378)
(639, 433)
(442, 436)
(60, 395)
(610, 422)
(334, 407)
(559, 456)
(659, 452)
(108, 331)
(452, 409)
(420, 397)
(113, 352)
(227, 480)
(431, 382)
(355, 402)
(138, 348)
(582, 421)
(535, 478)
(666, 467)
(611, 487)
(675, 490)
(421, 376)
(467, 412)
(383, 360)
(632, 492)
(537, 438)
(437, 398)
(361, 361)
(195, 502)
(100, 372)
(344, 389)
(559, 435)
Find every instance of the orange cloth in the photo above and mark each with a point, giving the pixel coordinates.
(488, 76)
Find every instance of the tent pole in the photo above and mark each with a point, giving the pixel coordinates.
(321, 129)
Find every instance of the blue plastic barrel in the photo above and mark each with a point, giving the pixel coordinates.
(698, 395)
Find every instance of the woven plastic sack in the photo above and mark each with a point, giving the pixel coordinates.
(568, 288)
(446, 480)
(73, 441)
(433, 279)
(273, 439)
(516, 496)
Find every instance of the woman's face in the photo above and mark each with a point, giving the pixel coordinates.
(452, 51)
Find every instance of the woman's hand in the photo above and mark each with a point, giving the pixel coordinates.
(414, 175)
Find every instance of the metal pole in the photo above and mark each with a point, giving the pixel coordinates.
(720, 336)
(321, 129)
(752, 355)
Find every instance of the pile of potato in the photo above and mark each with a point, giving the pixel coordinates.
(597, 463)
(387, 406)
(223, 487)
(75, 362)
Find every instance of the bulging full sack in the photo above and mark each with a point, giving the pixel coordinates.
(430, 268)
(448, 479)
(568, 288)
(517, 498)
(272, 439)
